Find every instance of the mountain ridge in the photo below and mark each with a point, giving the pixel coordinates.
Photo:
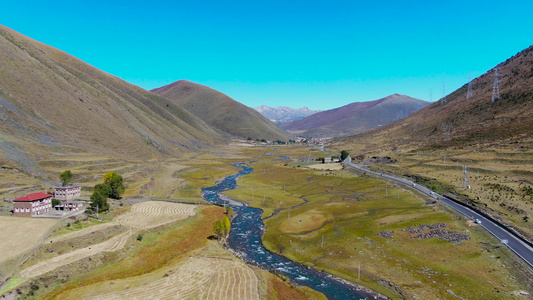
(55, 103)
(355, 117)
(474, 119)
(220, 111)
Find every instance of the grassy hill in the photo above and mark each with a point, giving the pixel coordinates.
(221, 111)
(54, 106)
(355, 117)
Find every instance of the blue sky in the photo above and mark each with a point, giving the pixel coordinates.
(320, 54)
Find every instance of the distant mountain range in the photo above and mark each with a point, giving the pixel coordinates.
(355, 117)
(283, 114)
(221, 111)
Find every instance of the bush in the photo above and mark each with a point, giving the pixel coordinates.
(140, 237)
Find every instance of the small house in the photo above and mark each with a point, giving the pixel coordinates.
(32, 204)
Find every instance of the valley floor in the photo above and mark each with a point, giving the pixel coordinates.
(359, 228)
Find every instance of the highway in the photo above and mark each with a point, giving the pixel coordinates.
(514, 243)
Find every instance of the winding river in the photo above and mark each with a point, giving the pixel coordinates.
(245, 240)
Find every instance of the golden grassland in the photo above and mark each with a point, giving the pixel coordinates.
(347, 212)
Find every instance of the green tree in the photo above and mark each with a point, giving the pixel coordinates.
(55, 202)
(66, 177)
(99, 197)
(114, 180)
(344, 154)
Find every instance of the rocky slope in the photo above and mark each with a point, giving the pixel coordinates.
(284, 114)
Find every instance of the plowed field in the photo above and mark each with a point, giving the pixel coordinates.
(151, 214)
(198, 278)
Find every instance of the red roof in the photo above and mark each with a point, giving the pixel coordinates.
(33, 197)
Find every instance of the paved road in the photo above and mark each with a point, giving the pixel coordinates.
(522, 249)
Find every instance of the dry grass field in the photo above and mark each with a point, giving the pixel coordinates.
(152, 214)
(326, 167)
(20, 237)
(142, 216)
(198, 278)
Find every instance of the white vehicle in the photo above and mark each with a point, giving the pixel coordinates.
(478, 221)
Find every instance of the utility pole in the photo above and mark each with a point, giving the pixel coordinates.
(496, 89)
(447, 130)
(470, 92)
(465, 171)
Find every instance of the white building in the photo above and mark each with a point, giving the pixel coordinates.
(67, 193)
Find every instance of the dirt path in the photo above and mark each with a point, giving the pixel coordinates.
(198, 278)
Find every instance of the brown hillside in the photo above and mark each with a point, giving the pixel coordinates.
(221, 111)
(473, 120)
(53, 103)
(355, 117)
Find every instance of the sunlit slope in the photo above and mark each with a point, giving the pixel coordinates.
(221, 111)
(52, 102)
(355, 117)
